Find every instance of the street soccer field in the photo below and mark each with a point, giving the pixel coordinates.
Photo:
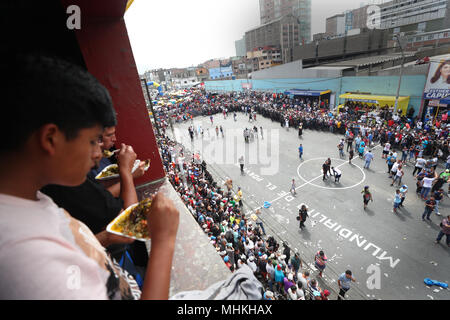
(389, 254)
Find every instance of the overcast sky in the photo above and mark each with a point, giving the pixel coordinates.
(183, 33)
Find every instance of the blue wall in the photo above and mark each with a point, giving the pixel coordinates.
(412, 86)
(223, 72)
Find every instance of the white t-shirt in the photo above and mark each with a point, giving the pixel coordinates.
(427, 182)
(302, 280)
(394, 167)
(420, 162)
(292, 295)
(46, 254)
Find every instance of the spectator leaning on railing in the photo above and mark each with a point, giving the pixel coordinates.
(57, 112)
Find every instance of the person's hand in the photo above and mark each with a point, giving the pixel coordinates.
(162, 220)
(126, 158)
(139, 171)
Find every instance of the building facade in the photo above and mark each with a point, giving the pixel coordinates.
(241, 67)
(283, 34)
(271, 10)
(415, 15)
(264, 57)
(240, 47)
(335, 25)
(221, 73)
(202, 74)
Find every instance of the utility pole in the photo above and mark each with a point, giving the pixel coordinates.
(151, 105)
(401, 72)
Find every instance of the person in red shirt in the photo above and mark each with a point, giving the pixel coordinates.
(324, 295)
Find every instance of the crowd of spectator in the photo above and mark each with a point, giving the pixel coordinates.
(380, 125)
(238, 239)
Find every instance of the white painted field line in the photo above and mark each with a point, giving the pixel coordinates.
(287, 193)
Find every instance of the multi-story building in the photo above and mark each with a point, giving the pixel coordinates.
(215, 63)
(271, 10)
(398, 16)
(340, 24)
(283, 34)
(202, 73)
(184, 77)
(335, 25)
(241, 67)
(356, 18)
(415, 15)
(264, 57)
(240, 47)
(221, 73)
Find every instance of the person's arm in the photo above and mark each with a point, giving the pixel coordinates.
(163, 235)
(115, 189)
(125, 160)
(106, 239)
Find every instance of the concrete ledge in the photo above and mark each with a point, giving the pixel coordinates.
(196, 264)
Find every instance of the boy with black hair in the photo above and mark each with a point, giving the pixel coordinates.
(57, 113)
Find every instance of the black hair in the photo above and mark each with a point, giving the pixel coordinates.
(348, 272)
(44, 89)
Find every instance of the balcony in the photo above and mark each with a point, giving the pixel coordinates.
(196, 264)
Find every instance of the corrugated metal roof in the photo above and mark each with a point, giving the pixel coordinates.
(361, 62)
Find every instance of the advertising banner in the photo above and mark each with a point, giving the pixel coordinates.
(438, 81)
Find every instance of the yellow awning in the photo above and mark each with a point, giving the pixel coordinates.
(370, 97)
(403, 101)
(325, 92)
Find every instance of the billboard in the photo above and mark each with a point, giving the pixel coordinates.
(438, 81)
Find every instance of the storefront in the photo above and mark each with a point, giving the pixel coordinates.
(316, 95)
(374, 102)
(436, 109)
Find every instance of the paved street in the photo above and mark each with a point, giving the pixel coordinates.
(398, 247)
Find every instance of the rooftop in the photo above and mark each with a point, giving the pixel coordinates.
(361, 62)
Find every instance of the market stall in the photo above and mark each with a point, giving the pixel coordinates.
(376, 102)
(319, 95)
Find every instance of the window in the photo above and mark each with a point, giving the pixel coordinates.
(421, 26)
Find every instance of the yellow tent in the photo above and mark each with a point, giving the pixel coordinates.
(381, 101)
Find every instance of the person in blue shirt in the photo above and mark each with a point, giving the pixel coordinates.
(300, 151)
(390, 162)
(397, 200)
(368, 157)
(361, 148)
(279, 277)
(344, 281)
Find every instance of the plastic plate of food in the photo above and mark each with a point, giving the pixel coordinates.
(112, 171)
(132, 222)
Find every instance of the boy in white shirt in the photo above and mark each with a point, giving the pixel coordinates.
(44, 252)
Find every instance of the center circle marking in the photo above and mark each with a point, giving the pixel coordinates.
(330, 188)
